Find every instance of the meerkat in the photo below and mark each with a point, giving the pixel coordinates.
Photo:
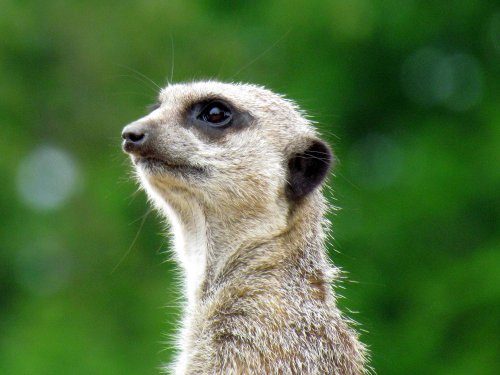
(237, 170)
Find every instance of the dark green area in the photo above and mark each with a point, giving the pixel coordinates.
(407, 92)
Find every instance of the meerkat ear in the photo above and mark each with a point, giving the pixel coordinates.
(308, 169)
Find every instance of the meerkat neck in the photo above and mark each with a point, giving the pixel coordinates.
(206, 241)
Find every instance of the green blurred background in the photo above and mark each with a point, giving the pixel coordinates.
(407, 92)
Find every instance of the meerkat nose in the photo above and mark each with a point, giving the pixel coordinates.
(134, 136)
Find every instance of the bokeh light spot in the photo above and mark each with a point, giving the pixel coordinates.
(494, 31)
(431, 77)
(375, 161)
(467, 82)
(353, 19)
(426, 77)
(47, 178)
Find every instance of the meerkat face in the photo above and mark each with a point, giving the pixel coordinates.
(230, 145)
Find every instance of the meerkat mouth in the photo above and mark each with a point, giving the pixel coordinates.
(156, 165)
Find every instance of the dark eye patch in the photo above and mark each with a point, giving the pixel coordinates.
(216, 114)
(214, 117)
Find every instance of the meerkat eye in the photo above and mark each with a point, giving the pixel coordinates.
(216, 114)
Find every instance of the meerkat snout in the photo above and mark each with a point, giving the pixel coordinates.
(237, 170)
(134, 137)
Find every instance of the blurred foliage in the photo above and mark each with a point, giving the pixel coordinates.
(407, 92)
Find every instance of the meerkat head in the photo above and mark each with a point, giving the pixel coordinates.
(231, 147)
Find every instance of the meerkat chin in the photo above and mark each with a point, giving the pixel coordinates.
(237, 170)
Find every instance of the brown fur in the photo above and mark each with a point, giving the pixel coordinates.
(258, 278)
